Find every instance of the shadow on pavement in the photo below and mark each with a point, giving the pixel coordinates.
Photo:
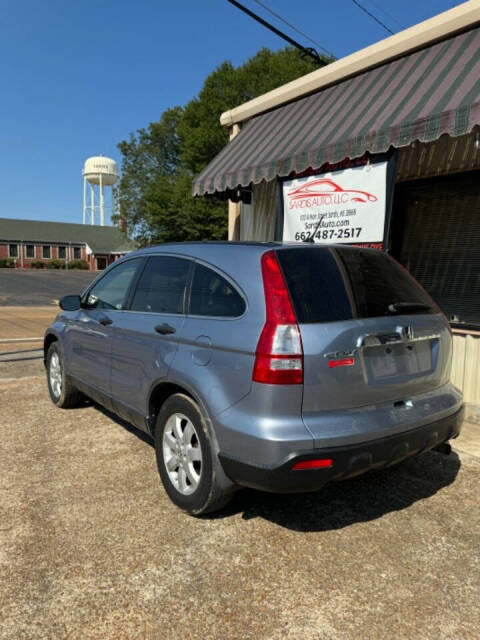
(341, 504)
(141, 435)
(338, 504)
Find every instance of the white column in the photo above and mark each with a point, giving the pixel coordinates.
(113, 208)
(102, 203)
(84, 199)
(92, 204)
(234, 208)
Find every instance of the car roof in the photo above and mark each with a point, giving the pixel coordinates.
(238, 260)
(209, 247)
(235, 258)
(210, 243)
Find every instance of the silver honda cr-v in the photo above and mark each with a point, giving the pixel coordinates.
(268, 365)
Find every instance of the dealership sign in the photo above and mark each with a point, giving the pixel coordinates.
(339, 206)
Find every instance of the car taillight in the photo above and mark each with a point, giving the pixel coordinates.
(279, 354)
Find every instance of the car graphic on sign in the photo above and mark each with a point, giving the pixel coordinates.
(327, 187)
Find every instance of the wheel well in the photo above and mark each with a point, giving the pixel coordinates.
(159, 395)
(46, 345)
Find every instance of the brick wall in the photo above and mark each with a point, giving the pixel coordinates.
(38, 253)
(90, 259)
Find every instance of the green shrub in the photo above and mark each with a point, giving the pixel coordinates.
(37, 264)
(55, 264)
(78, 264)
(7, 263)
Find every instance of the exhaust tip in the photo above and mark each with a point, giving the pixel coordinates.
(444, 448)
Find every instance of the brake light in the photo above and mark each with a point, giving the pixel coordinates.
(279, 354)
(318, 463)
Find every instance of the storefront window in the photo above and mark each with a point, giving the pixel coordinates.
(435, 233)
(61, 253)
(77, 253)
(30, 251)
(13, 250)
(46, 251)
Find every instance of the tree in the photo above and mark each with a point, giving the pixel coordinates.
(160, 161)
(149, 157)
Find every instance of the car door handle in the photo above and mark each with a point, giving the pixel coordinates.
(105, 320)
(165, 329)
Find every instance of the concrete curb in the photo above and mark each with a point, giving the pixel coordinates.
(472, 413)
(15, 356)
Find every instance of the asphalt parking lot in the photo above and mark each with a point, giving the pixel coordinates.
(92, 548)
(40, 287)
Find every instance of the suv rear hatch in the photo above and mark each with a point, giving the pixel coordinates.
(370, 334)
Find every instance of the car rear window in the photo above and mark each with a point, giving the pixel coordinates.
(332, 284)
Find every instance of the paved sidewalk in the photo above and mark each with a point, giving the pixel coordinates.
(24, 322)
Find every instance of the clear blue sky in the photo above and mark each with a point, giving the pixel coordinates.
(78, 77)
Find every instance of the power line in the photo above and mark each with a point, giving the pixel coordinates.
(305, 51)
(374, 17)
(389, 15)
(328, 53)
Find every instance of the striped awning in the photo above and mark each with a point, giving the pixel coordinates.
(420, 96)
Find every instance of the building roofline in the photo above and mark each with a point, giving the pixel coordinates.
(19, 240)
(424, 33)
(61, 222)
(100, 239)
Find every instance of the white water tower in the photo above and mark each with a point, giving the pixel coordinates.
(102, 172)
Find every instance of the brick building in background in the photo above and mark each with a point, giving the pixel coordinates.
(31, 240)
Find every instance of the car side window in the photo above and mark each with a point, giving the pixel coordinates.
(161, 287)
(111, 292)
(213, 295)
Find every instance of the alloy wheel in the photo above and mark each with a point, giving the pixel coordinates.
(55, 375)
(182, 453)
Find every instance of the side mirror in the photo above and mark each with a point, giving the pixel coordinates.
(70, 303)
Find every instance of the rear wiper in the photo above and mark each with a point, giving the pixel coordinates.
(405, 307)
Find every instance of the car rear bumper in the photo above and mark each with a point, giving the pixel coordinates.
(347, 461)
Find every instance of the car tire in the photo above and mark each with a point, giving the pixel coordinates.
(187, 459)
(62, 392)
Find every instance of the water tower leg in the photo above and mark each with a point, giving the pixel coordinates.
(102, 207)
(84, 200)
(92, 204)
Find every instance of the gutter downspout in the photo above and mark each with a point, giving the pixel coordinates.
(234, 208)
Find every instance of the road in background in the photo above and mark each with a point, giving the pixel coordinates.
(31, 287)
(29, 304)
(25, 324)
